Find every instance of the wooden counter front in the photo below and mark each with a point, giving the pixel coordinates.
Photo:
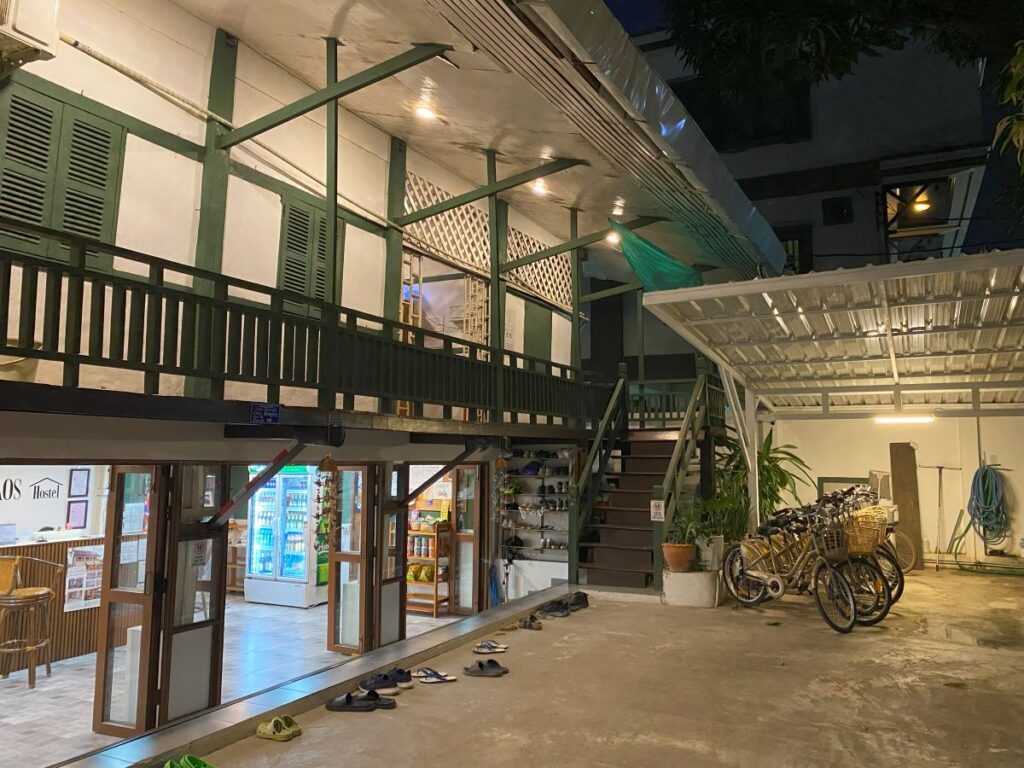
(71, 634)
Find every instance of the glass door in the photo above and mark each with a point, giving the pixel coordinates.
(347, 581)
(390, 589)
(466, 527)
(263, 528)
(128, 648)
(193, 637)
(293, 551)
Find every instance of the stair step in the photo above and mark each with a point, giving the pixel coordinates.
(631, 474)
(601, 545)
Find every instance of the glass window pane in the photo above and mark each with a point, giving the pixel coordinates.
(200, 492)
(350, 510)
(465, 500)
(347, 610)
(130, 542)
(464, 580)
(124, 655)
(390, 564)
(193, 591)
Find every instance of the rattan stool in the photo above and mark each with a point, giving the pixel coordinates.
(25, 614)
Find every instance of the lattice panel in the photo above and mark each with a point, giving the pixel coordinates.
(551, 278)
(462, 235)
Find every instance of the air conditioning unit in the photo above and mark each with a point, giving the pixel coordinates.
(28, 31)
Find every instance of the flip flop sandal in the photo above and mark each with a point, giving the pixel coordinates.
(493, 644)
(290, 725)
(433, 676)
(487, 650)
(275, 730)
(349, 703)
(480, 669)
(191, 761)
(376, 700)
(172, 764)
(492, 664)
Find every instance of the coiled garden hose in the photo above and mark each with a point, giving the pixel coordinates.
(986, 507)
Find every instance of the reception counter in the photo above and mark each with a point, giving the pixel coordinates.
(72, 632)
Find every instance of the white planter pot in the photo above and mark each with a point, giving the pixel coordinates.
(711, 549)
(700, 589)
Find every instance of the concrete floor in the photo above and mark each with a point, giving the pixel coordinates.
(940, 683)
(264, 645)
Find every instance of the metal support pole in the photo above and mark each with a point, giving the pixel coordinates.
(333, 276)
(753, 484)
(576, 256)
(640, 355)
(497, 215)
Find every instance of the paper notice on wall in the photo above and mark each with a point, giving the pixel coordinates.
(83, 579)
(129, 552)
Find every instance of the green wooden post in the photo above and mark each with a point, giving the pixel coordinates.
(326, 397)
(393, 237)
(214, 187)
(497, 212)
(576, 257)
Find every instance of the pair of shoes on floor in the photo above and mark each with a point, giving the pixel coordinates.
(360, 702)
(428, 676)
(564, 606)
(531, 622)
(489, 668)
(280, 728)
(488, 647)
(390, 683)
(577, 601)
(188, 761)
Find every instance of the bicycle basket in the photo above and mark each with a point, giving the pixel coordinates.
(878, 518)
(831, 543)
(861, 537)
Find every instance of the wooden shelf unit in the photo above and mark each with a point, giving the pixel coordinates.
(430, 601)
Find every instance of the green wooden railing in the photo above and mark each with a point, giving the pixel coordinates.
(158, 317)
(671, 488)
(663, 403)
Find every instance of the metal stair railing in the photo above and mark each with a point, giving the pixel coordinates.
(671, 489)
(593, 469)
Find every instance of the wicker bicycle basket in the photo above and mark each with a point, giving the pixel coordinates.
(865, 530)
(831, 543)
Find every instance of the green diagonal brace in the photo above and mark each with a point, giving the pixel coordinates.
(417, 55)
(577, 242)
(489, 189)
(609, 292)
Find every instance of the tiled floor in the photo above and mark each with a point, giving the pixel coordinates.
(264, 645)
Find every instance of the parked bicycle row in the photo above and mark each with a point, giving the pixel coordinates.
(843, 549)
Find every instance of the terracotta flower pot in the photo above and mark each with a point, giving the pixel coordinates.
(679, 557)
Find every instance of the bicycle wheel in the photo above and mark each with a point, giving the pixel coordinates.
(834, 597)
(887, 564)
(747, 591)
(906, 552)
(870, 590)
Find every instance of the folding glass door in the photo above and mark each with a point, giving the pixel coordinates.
(348, 577)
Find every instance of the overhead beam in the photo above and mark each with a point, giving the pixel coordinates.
(334, 91)
(868, 389)
(577, 242)
(889, 341)
(609, 292)
(488, 190)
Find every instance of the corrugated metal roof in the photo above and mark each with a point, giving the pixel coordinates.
(928, 334)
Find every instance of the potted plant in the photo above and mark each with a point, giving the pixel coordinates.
(680, 546)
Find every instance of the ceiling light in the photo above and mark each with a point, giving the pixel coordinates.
(613, 237)
(921, 206)
(904, 419)
(425, 113)
(539, 187)
(620, 207)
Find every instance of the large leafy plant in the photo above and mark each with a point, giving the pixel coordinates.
(779, 471)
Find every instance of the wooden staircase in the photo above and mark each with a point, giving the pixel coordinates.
(616, 547)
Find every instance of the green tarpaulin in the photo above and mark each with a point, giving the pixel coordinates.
(657, 270)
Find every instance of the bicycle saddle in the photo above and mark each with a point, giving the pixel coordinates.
(768, 530)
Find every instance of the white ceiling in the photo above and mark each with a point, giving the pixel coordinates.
(483, 104)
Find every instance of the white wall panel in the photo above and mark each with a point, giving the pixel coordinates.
(561, 339)
(363, 285)
(252, 233)
(515, 323)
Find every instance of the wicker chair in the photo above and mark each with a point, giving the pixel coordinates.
(25, 611)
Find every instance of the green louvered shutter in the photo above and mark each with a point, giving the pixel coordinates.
(88, 178)
(297, 227)
(30, 127)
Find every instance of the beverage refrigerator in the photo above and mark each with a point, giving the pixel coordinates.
(282, 563)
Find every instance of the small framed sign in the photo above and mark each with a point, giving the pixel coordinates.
(78, 513)
(78, 483)
(657, 510)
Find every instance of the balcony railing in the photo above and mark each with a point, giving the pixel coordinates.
(105, 306)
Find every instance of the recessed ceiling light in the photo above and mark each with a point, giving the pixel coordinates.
(539, 187)
(613, 237)
(425, 113)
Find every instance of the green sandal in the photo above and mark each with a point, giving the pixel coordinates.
(191, 761)
(291, 725)
(275, 730)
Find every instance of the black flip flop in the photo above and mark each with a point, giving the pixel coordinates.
(489, 668)
(376, 700)
(350, 703)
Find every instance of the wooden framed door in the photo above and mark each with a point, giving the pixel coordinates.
(467, 527)
(349, 580)
(125, 702)
(390, 585)
(191, 660)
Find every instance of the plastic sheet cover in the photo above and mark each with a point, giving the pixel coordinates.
(657, 270)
